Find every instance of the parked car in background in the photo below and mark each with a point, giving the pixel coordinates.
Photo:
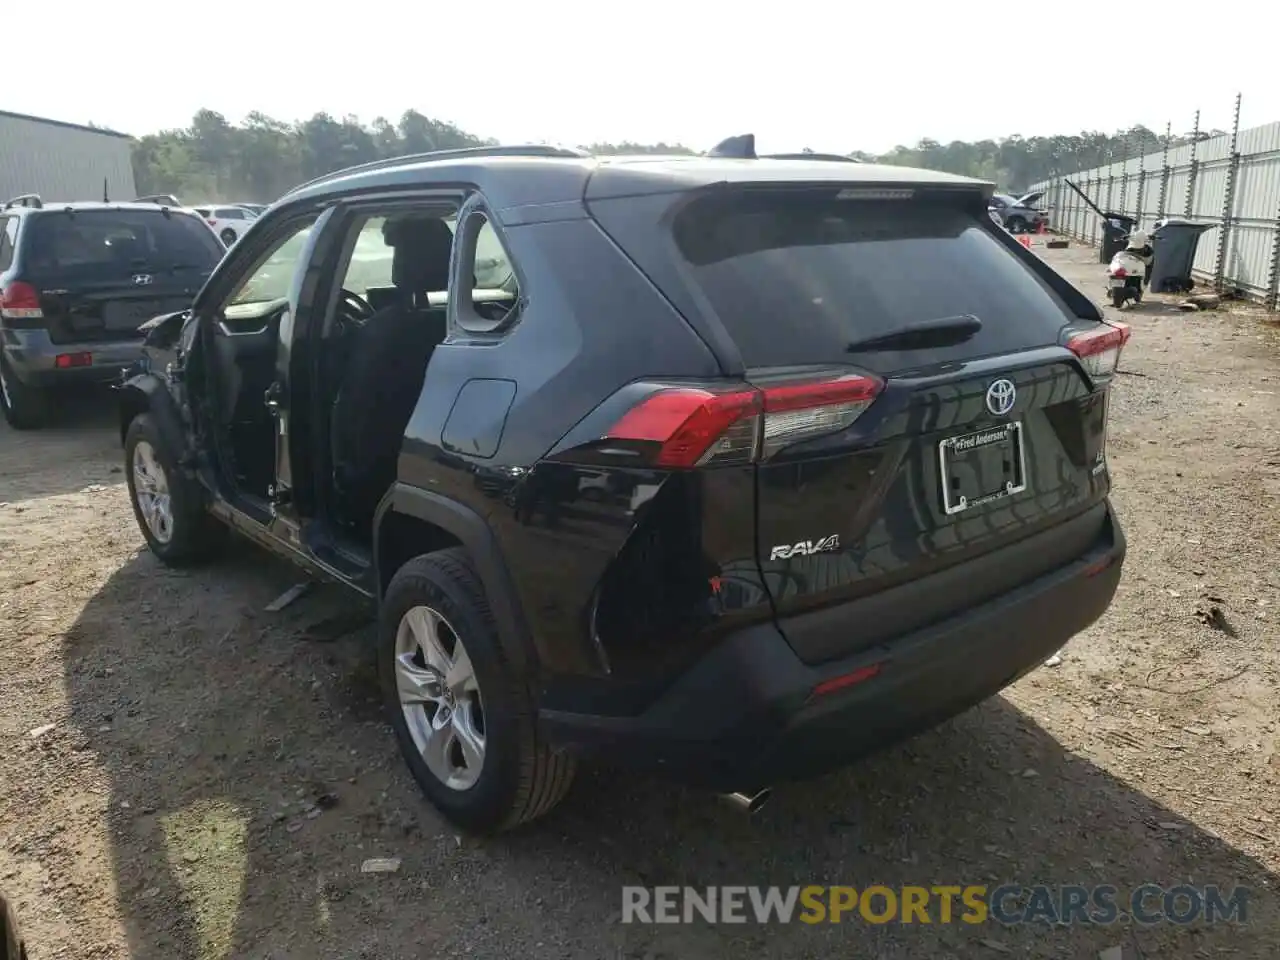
(1017, 214)
(76, 282)
(257, 209)
(229, 222)
(737, 535)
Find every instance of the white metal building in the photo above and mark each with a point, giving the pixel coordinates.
(62, 161)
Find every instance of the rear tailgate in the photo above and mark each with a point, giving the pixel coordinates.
(976, 442)
(101, 273)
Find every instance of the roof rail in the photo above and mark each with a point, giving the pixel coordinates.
(810, 155)
(168, 199)
(25, 200)
(518, 150)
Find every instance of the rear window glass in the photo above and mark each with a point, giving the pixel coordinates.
(796, 279)
(111, 241)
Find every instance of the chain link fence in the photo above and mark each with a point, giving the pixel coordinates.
(1231, 181)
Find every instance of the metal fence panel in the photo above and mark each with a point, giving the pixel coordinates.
(1236, 190)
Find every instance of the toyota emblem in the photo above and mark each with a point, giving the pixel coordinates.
(141, 279)
(1001, 396)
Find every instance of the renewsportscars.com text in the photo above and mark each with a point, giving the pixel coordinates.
(1009, 904)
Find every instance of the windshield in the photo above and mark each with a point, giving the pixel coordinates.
(109, 243)
(271, 280)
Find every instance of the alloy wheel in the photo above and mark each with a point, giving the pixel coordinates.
(440, 697)
(151, 491)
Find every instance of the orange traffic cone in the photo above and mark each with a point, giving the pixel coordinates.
(1025, 240)
(1040, 228)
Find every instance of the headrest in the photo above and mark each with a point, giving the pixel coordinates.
(422, 249)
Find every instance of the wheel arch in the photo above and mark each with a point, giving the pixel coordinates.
(410, 522)
(146, 393)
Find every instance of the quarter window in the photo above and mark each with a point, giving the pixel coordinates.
(490, 302)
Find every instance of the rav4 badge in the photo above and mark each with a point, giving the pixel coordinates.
(805, 548)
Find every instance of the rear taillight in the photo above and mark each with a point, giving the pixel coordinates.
(1099, 350)
(1119, 272)
(697, 427)
(212, 223)
(20, 301)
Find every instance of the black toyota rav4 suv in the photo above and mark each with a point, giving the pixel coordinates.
(725, 467)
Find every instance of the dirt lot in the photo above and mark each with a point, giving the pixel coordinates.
(215, 774)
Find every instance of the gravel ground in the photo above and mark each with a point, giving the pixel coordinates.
(184, 775)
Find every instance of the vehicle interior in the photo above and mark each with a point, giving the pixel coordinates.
(375, 360)
(243, 344)
(374, 350)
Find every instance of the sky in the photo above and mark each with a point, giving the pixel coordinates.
(830, 76)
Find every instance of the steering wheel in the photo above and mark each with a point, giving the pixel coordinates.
(353, 309)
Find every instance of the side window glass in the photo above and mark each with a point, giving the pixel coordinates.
(493, 267)
(270, 279)
(8, 240)
(370, 263)
(490, 302)
(401, 257)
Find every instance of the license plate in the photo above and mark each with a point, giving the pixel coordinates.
(1115, 282)
(130, 314)
(977, 468)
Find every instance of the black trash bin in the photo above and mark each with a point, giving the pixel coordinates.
(1174, 243)
(1115, 229)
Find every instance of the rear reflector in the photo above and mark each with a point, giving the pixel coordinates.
(697, 427)
(64, 361)
(1096, 568)
(20, 301)
(846, 680)
(1099, 350)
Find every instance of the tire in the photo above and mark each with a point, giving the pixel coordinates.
(1117, 298)
(228, 236)
(25, 407)
(517, 777)
(1016, 225)
(189, 534)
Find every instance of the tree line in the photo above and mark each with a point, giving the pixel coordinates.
(262, 157)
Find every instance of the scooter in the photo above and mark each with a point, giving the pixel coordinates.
(1127, 273)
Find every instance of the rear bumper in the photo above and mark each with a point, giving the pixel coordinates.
(744, 716)
(33, 358)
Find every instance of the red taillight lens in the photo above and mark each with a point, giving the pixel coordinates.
(64, 361)
(695, 427)
(20, 301)
(1120, 272)
(212, 223)
(1099, 349)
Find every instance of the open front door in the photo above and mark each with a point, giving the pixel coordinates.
(288, 397)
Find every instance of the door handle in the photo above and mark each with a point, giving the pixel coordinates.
(273, 396)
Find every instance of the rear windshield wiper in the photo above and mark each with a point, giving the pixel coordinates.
(942, 332)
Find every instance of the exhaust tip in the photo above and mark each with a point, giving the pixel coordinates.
(748, 803)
